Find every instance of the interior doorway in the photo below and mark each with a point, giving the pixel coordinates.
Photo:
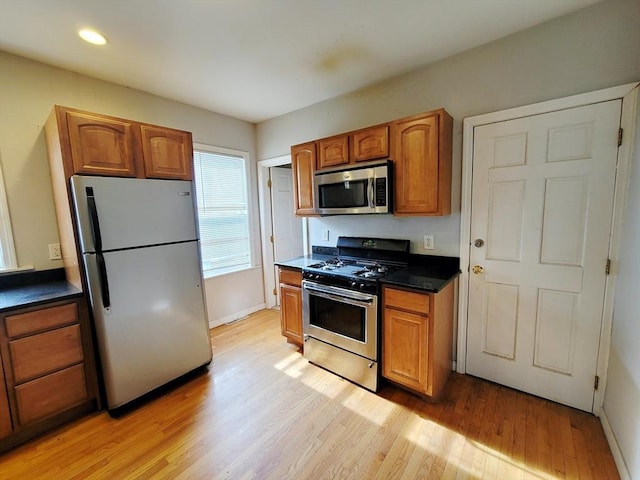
(284, 235)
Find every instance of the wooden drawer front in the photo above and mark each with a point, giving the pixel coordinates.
(291, 277)
(40, 320)
(51, 394)
(411, 301)
(44, 353)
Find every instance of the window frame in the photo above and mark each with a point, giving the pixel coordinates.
(212, 149)
(8, 259)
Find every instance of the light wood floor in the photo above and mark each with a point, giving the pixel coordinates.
(263, 412)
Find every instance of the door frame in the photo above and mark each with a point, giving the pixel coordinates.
(629, 95)
(266, 226)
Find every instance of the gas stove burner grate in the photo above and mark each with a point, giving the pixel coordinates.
(331, 264)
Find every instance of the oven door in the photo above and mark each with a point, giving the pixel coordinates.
(341, 317)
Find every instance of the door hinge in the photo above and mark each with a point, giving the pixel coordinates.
(596, 382)
(607, 269)
(269, 184)
(271, 238)
(620, 137)
(275, 292)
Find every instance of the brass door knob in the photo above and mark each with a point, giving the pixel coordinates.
(477, 269)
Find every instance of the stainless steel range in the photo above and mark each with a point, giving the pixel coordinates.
(341, 311)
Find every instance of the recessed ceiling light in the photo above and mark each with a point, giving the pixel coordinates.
(92, 36)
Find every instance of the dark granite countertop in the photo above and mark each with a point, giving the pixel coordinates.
(21, 290)
(425, 272)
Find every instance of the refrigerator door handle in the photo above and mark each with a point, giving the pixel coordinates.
(93, 217)
(104, 281)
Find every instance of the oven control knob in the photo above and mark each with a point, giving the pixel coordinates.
(352, 283)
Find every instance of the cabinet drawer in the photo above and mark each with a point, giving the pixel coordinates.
(40, 320)
(411, 301)
(46, 352)
(51, 394)
(291, 277)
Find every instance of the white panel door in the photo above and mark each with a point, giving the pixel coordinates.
(542, 200)
(287, 227)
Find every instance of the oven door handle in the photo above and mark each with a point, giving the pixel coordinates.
(337, 295)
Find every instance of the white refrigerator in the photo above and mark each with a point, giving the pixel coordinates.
(139, 244)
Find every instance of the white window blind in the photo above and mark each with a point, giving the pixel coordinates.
(7, 252)
(223, 212)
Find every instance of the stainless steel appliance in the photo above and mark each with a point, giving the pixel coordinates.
(341, 310)
(139, 245)
(360, 189)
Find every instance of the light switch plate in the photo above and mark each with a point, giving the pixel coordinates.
(325, 235)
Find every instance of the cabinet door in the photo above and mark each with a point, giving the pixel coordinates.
(333, 152)
(291, 312)
(100, 145)
(370, 143)
(5, 418)
(303, 162)
(422, 165)
(167, 153)
(404, 348)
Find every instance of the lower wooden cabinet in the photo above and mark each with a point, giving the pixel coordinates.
(5, 417)
(48, 374)
(417, 339)
(291, 305)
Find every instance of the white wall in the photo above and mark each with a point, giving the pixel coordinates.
(594, 48)
(591, 49)
(622, 395)
(28, 91)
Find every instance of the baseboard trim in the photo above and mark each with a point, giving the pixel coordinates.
(613, 445)
(236, 316)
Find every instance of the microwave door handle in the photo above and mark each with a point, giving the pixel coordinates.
(371, 193)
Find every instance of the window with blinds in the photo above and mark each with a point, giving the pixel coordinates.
(223, 210)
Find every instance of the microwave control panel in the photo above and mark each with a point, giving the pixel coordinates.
(381, 192)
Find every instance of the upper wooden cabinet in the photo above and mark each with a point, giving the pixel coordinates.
(100, 145)
(333, 151)
(359, 146)
(167, 153)
(303, 163)
(370, 143)
(421, 152)
(93, 144)
(419, 147)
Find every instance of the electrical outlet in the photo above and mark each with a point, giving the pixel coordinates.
(54, 251)
(325, 235)
(429, 243)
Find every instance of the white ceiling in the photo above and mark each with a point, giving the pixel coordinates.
(257, 59)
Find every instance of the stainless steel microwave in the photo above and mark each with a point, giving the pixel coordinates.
(358, 189)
